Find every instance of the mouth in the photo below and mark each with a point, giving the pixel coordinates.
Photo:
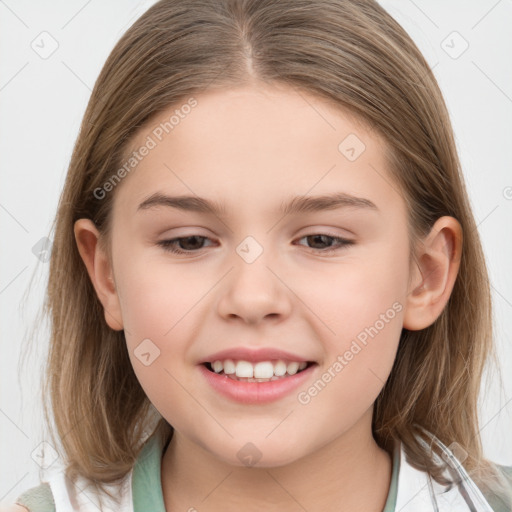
(263, 371)
(257, 383)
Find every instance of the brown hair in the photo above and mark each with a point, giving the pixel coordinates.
(349, 52)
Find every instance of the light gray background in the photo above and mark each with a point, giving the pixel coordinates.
(42, 101)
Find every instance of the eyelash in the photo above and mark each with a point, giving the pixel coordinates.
(169, 245)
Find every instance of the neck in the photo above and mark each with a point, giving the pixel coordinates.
(352, 473)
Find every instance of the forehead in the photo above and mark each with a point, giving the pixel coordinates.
(266, 143)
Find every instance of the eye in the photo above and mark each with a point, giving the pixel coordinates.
(172, 244)
(323, 238)
(193, 243)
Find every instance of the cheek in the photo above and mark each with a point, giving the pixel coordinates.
(358, 361)
(160, 304)
(154, 294)
(156, 304)
(352, 293)
(360, 304)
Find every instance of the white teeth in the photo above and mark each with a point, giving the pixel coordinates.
(244, 369)
(280, 368)
(217, 366)
(261, 370)
(229, 367)
(292, 368)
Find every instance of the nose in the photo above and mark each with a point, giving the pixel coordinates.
(253, 292)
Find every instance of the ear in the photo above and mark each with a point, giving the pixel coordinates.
(432, 282)
(100, 270)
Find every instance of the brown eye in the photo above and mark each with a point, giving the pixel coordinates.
(319, 239)
(184, 244)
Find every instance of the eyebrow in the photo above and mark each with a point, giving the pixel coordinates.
(298, 204)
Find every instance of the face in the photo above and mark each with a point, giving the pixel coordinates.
(324, 285)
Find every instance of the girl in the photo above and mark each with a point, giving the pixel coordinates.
(321, 344)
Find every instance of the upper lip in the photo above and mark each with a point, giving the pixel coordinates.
(253, 355)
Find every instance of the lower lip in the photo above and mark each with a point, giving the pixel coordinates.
(255, 392)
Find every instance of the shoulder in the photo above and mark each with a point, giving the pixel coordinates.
(35, 499)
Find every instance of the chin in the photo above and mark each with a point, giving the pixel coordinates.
(261, 455)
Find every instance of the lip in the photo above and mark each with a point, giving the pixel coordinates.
(255, 392)
(253, 355)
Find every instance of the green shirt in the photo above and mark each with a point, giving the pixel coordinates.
(147, 488)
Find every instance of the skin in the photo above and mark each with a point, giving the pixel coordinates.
(252, 148)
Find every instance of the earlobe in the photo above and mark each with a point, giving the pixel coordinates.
(439, 261)
(100, 270)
